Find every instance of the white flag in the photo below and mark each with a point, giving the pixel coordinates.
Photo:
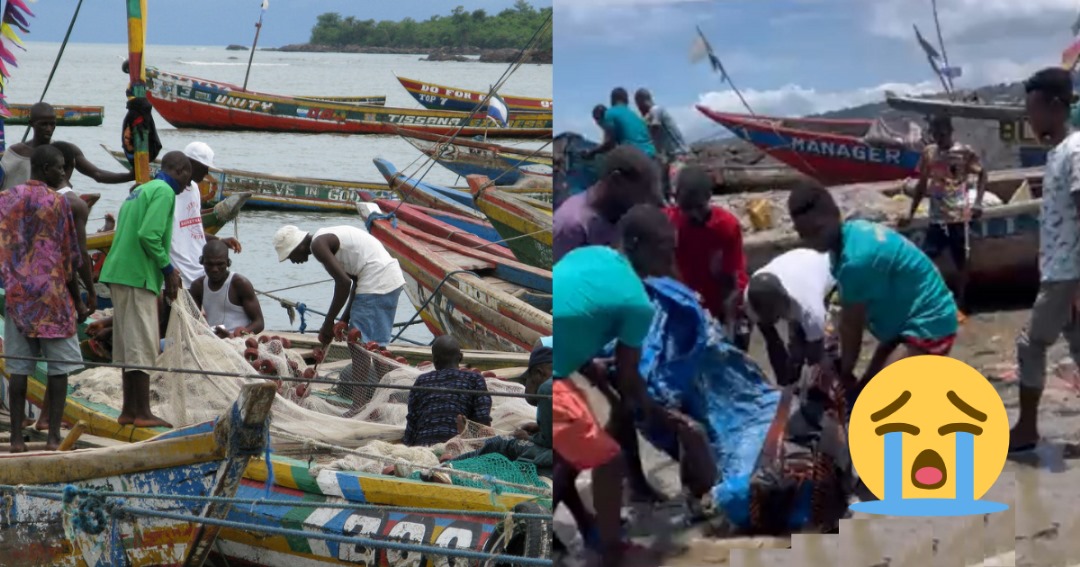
(265, 4)
(699, 49)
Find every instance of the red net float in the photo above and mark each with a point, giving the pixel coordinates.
(354, 336)
(301, 390)
(251, 354)
(264, 339)
(402, 360)
(340, 328)
(309, 373)
(265, 366)
(286, 342)
(251, 342)
(319, 354)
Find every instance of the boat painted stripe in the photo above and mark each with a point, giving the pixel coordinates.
(328, 484)
(331, 520)
(267, 551)
(351, 487)
(206, 427)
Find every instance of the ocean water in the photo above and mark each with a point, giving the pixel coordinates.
(90, 74)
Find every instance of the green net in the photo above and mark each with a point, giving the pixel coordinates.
(497, 467)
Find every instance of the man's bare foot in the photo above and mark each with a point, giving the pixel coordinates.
(52, 445)
(42, 423)
(27, 422)
(461, 424)
(19, 447)
(125, 419)
(151, 421)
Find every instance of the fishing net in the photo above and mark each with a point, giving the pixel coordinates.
(496, 466)
(185, 398)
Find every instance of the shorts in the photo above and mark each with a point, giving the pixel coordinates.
(939, 346)
(576, 435)
(15, 344)
(951, 237)
(135, 334)
(373, 314)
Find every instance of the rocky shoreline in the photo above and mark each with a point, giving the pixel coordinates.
(507, 55)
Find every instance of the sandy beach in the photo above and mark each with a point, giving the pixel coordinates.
(1039, 529)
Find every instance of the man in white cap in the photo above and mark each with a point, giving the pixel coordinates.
(357, 261)
(189, 237)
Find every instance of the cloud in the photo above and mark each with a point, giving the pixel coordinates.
(974, 21)
(615, 22)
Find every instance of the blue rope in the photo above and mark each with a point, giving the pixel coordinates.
(380, 216)
(302, 309)
(349, 540)
(47, 492)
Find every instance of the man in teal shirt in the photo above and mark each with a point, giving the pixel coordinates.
(136, 268)
(887, 286)
(623, 126)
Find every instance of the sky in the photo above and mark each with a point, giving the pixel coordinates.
(221, 22)
(789, 57)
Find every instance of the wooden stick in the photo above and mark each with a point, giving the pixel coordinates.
(69, 440)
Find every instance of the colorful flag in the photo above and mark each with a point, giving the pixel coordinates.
(701, 49)
(497, 110)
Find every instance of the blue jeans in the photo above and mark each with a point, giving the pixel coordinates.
(373, 314)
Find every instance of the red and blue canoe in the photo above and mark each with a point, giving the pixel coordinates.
(834, 152)
(440, 97)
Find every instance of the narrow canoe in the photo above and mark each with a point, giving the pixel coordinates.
(213, 220)
(439, 97)
(525, 227)
(209, 458)
(939, 107)
(503, 164)
(427, 220)
(189, 102)
(427, 194)
(474, 304)
(835, 152)
(66, 115)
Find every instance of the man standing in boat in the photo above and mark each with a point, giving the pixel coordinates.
(623, 126)
(945, 173)
(367, 279)
(15, 164)
(189, 237)
(670, 146)
(136, 269)
(39, 254)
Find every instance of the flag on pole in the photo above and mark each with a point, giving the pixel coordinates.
(701, 49)
(952, 72)
(497, 110)
(265, 4)
(929, 49)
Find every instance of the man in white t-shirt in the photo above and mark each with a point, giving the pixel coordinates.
(793, 287)
(357, 261)
(189, 237)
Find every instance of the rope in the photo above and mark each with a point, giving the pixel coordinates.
(302, 310)
(526, 235)
(39, 491)
(434, 293)
(382, 216)
(208, 373)
(267, 293)
(534, 490)
(526, 158)
(56, 62)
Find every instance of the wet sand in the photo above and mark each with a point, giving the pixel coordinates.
(1041, 527)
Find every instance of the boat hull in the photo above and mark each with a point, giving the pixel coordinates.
(526, 230)
(419, 192)
(933, 107)
(187, 102)
(504, 165)
(213, 219)
(440, 97)
(832, 159)
(66, 115)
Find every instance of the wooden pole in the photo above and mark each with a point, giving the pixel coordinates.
(251, 56)
(941, 44)
(136, 10)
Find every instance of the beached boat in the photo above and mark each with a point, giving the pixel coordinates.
(835, 152)
(439, 97)
(955, 109)
(189, 102)
(198, 461)
(213, 220)
(66, 115)
(1004, 242)
(525, 226)
(503, 164)
(428, 220)
(466, 292)
(427, 194)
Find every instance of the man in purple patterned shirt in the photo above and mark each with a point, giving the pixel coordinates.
(39, 259)
(433, 416)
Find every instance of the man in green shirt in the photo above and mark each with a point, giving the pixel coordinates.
(136, 268)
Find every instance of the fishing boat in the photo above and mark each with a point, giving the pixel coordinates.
(189, 102)
(503, 164)
(428, 220)
(1004, 241)
(427, 194)
(439, 97)
(465, 292)
(525, 226)
(835, 152)
(66, 115)
(213, 220)
(955, 109)
(62, 514)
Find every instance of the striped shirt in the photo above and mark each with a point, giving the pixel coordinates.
(432, 416)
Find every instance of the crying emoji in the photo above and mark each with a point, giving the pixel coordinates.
(928, 436)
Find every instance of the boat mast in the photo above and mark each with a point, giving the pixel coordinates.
(258, 28)
(941, 43)
(136, 11)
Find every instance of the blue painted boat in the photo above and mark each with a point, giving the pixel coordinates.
(504, 165)
(573, 173)
(427, 194)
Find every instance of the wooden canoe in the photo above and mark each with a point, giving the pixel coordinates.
(1004, 242)
(66, 115)
(503, 164)
(524, 226)
(834, 152)
(213, 220)
(481, 308)
(189, 102)
(202, 460)
(953, 109)
(427, 194)
(439, 97)
(426, 220)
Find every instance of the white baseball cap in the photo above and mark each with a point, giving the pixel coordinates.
(200, 152)
(286, 239)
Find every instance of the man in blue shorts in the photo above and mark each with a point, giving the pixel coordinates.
(887, 286)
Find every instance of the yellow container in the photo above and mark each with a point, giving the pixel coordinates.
(760, 211)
